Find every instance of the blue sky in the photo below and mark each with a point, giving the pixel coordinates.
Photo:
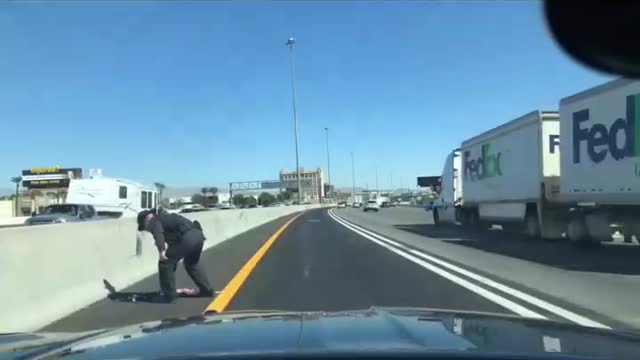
(196, 93)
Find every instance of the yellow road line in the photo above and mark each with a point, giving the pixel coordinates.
(220, 303)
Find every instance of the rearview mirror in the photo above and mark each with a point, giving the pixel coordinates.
(600, 34)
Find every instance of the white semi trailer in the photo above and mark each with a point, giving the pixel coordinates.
(600, 166)
(503, 176)
(570, 174)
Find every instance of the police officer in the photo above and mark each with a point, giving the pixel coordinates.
(176, 238)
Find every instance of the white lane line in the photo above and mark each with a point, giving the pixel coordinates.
(569, 315)
(506, 303)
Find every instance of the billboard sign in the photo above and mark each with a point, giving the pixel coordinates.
(49, 177)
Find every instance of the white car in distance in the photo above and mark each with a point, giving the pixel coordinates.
(372, 205)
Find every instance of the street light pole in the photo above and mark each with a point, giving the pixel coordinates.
(290, 43)
(328, 162)
(353, 178)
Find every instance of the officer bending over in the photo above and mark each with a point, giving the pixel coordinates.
(176, 238)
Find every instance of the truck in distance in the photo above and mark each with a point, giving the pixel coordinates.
(573, 173)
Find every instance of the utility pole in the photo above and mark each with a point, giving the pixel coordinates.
(290, 43)
(377, 188)
(328, 162)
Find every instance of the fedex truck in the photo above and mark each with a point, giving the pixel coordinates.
(572, 173)
(600, 166)
(503, 176)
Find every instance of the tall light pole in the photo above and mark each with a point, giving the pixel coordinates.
(290, 43)
(328, 162)
(377, 188)
(353, 178)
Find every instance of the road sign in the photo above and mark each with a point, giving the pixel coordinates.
(429, 181)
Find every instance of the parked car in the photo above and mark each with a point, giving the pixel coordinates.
(342, 204)
(191, 207)
(356, 205)
(63, 213)
(372, 205)
(385, 204)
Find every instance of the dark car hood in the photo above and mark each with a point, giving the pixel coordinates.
(374, 331)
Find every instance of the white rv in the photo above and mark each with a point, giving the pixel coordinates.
(111, 196)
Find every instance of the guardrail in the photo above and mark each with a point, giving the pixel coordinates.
(50, 271)
(13, 221)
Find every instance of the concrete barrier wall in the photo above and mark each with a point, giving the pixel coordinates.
(50, 271)
(13, 220)
(6, 209)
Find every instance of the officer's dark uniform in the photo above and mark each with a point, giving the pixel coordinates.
(184, 241)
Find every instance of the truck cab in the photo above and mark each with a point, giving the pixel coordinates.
(450, 191)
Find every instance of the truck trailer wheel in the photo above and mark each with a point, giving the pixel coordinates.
(577, 231)
(531, 224)
(436, 217)
(472, 218)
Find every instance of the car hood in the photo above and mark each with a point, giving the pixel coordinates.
(374, 331)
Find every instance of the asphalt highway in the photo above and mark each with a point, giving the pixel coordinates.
(345, 259)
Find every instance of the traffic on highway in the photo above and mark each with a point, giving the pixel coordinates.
(512, 230)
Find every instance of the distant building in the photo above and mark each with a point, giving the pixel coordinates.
(312, 182)
(223, 197)
(179, 199)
